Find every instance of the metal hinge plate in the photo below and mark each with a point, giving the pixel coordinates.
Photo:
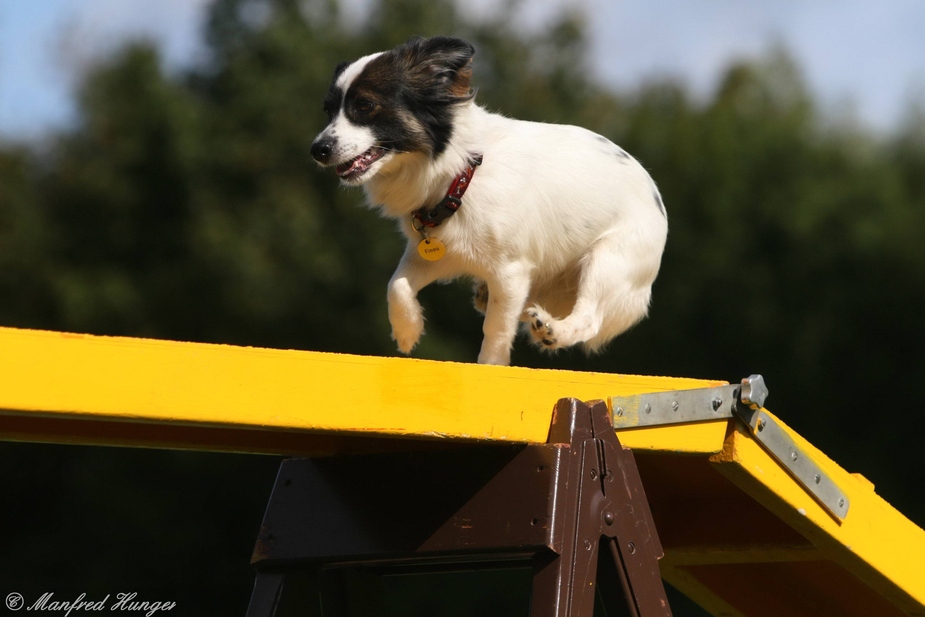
(782, 447)
(743, 401)
(673, 407)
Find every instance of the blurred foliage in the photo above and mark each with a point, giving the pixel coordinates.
(188, 207)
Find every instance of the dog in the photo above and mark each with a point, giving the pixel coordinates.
(560, 228)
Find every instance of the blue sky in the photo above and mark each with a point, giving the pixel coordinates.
(868, 55)
(45, 45)
(865, 57)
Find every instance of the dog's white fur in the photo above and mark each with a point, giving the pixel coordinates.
(564, 228)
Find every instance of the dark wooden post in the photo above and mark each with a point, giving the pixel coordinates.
(554, 504)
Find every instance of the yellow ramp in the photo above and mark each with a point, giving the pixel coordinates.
(741, 535)
(113, 390)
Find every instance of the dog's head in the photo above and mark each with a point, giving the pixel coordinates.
(391, 103)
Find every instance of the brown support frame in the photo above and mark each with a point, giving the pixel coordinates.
(558, 504)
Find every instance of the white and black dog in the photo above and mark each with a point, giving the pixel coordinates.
(560, 228)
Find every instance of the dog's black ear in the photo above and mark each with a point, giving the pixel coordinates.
(443, 59)
(339, 70)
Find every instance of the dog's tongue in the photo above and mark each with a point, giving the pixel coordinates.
(360, 163)
(348, 167)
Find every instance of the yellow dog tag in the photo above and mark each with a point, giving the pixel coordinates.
(431, 249)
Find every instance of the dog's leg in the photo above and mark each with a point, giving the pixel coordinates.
(507, 294)
(613, 295)
(480, 296)
(405, 312)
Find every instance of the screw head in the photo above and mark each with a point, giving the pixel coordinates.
(619, 411)
(841, 502)
(647, 408)
(593, 473)
(717, 403)
(675, 405)
(608, 518)
(631, 547)
(817, 478)
(794, 455)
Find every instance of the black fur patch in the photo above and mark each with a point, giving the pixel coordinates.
(332, 102)
(335, 95)
(614, 149)
(407, 95)
(658, 200)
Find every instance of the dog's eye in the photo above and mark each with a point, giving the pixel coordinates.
(364, 105)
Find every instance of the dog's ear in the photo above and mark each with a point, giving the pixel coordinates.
(339, 70)
(443, 60)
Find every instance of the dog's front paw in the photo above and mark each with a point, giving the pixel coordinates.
(406, 342)
(407, 328)
(405, 315)
(541, 328)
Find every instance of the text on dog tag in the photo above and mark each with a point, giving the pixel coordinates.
(431, 249)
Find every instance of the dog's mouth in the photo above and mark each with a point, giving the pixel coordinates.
(356, 167)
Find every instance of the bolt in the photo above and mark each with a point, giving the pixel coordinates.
(760, 425)
(753, 391)
(631, 547)
(608, 518)
(817, 478)
(647, 408)
(841, 502)
(793, 455)
(620, 412)
(717, 403)
(675, 405)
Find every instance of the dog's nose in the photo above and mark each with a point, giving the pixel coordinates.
(321, 150)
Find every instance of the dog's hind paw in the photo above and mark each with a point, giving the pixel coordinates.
(541, 328)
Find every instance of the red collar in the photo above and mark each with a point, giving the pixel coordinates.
(431, 217)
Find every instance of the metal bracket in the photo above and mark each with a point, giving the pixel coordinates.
(770, 434)
(744, 401)
(673, 407)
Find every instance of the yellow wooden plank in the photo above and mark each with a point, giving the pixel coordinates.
(695, 438)
(140, 380)
(705, 597)
(706, 555)
(875, 541)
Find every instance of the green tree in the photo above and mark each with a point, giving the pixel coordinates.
(26, 298)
